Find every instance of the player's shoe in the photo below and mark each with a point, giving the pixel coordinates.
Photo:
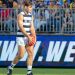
(9, 71)
(30, 73)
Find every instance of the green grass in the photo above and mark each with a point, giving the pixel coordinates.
(40, 71)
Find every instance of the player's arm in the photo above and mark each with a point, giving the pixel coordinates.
(20, 24)
(32, 28)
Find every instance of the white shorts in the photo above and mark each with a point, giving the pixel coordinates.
(22, 41)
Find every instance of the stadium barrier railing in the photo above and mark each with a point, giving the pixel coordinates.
(55, 21)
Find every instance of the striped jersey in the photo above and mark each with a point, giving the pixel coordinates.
(27, 19)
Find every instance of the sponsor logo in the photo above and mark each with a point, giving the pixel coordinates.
(56, 51)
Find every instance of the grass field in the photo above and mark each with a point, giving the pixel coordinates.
(40, 71)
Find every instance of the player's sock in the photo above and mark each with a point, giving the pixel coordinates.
(12, 66)
(29, 69)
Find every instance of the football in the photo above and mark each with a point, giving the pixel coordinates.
(32, 42)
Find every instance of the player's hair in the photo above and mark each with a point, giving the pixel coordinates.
(27, 3)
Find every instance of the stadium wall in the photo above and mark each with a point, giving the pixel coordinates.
(49, 51)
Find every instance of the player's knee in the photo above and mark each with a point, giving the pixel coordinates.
(30, 54)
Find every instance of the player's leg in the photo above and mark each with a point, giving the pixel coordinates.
(21, 51)
(19, 55)
(29, 50)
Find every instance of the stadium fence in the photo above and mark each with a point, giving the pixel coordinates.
(55, 21)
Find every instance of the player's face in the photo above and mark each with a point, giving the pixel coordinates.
(28, 9)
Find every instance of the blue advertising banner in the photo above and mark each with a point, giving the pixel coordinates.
(49, 51)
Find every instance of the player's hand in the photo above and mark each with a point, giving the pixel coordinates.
(31, 40)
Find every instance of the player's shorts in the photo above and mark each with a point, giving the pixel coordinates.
(22, 41)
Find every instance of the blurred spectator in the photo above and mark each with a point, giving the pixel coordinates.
(57, 17)
(67, 21)
(15, 8)
(34, 4)
(39, 4)
(47, 2)
(20, 1)
(72, 4)
(4, 6)
(4, 15)
(0, 13)
(58, 5)
(10, 3)
(4, 12)
(37, 17)
(47, 27)
(58, 1)
(73, 12)
(46, 14)
(51, 5)
(51, 15)
(11, 22)
(15, 4)
(66, 4)
(0, 3)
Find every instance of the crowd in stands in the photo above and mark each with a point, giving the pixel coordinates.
(8, 14)
(55, 16)
(38, 3)
(52, 15)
